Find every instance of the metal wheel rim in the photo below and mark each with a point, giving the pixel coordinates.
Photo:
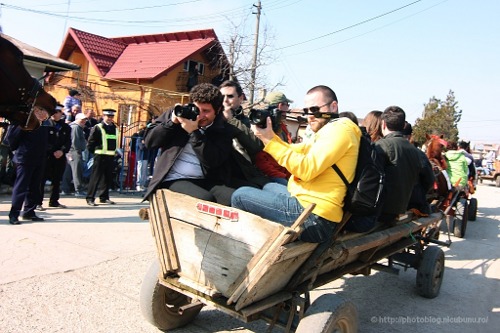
(173, 300)
(438, 274)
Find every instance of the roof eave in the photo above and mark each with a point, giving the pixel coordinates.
(52, 66)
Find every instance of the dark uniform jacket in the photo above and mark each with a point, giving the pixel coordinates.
(402, 168)
(59, 136)
(29, 146)
(212, 147)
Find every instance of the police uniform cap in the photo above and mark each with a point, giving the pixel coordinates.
(108, 112)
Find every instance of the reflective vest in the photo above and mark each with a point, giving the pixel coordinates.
(105, 137)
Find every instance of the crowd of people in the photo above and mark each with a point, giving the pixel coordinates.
(57, 153)
(222, 155)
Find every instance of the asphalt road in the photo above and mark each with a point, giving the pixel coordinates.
(81, 271)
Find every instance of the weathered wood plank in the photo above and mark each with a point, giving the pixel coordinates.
(295, 249)
(161, 247)
(274, 278)
(210, 258)
(173, 258)
(249, 229)
(253, 270)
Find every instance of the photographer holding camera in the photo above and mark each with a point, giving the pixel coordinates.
(278, 107)
(336, 141)
(195, 146)
(245, 143)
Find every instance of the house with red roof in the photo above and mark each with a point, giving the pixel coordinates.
(140, 76)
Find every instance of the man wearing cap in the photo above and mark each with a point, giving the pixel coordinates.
(59, 142)
(265, 162)
(278, 99)
(75, 156)
(29, 159)
(102, 143)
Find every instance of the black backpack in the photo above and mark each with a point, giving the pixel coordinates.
(364, 196)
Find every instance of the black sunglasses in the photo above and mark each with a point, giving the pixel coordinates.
(315, 111)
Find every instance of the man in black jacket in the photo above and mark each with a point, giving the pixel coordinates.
(402, 164)
(194, 151)
(59, 143)
(29, 159)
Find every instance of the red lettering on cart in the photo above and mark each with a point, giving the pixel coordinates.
(223, 213)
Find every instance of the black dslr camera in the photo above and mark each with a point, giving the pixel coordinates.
(187, 111)
(259, 117)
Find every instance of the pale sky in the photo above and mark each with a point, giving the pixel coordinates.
(372, 53)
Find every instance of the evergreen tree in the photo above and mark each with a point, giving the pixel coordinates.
(439, 117)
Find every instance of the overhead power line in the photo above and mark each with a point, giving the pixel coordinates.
(348, 27)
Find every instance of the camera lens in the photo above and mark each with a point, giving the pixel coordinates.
(258, 117)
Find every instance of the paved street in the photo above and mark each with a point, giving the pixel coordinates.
(81, 271)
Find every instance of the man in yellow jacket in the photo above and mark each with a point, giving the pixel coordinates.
(313, 180)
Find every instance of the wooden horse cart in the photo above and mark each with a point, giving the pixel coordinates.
(252, 268)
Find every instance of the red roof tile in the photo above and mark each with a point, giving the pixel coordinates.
(139, 57)
(149, 60)
(101, 51)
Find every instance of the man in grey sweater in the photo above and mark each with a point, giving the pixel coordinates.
(78, 145)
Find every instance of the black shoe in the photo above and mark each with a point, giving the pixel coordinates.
(14, 220)
(56, 204)
(107, 201)
(33, 218)
(91, 203)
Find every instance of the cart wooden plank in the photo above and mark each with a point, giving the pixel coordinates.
(274, 277)
(164, 241)
(213, 252)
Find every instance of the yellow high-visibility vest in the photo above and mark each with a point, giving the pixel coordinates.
(105, 137)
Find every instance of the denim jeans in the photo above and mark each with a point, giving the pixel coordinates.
(275, 203)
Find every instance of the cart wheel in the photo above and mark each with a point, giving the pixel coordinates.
(430, 272)
(460, 218)
(329, 313)
(472, 209)
(160, 305)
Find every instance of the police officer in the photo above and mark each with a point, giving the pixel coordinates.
(59, 143)
(29, 158)
(102, 143)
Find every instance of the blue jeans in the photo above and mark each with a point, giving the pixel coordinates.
(275, 203)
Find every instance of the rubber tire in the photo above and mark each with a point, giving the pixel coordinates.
(461, 213)
(159, 304)
(329, 313)
(430, 272)
(472, 209)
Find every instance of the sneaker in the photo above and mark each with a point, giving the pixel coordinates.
(80, 194)
(56, 205)
(91, 203)
(107, 201)
(33, 218)
(40, 208)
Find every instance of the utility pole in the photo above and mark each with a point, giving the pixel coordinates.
(255, 50)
